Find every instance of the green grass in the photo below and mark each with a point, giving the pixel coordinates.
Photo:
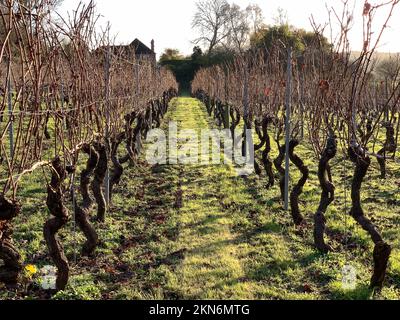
(230, 239)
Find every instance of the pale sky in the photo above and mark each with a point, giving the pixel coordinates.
(168, 22)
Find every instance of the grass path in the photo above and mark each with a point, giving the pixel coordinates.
(211, 267)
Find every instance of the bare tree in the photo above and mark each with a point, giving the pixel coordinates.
(219, 23)
(255, 17)
(211, 21)
(239, 28)
(281, 17)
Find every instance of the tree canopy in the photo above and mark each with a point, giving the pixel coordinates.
(171, 54)
(298, 39)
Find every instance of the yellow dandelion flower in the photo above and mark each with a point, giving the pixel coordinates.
(31, 269)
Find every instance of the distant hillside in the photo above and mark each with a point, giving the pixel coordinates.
(380, 56)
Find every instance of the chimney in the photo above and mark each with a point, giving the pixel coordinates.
(152, 45)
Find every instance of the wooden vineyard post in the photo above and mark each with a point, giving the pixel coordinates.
(73, 200)
(226, 107)
(10, 114)
(302, 95)
(107, 133)
(246, 110)
(137, 143)
(62, 98)
(287, 125)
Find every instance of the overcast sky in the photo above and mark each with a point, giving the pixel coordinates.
(169, 22)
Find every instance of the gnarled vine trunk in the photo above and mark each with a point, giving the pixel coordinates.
(82, 212)
(8, 253)
(59, 211)
(118, 169)
(86, 174)
(267, 163)
(98, 181)
(137, 134)
(382, 250)
(235, 121)
(261, 135)
(389, 146)
(219, 113)
(147, 121)
(129, 119)
(298, 219)
(157, 113)
(327, 195)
